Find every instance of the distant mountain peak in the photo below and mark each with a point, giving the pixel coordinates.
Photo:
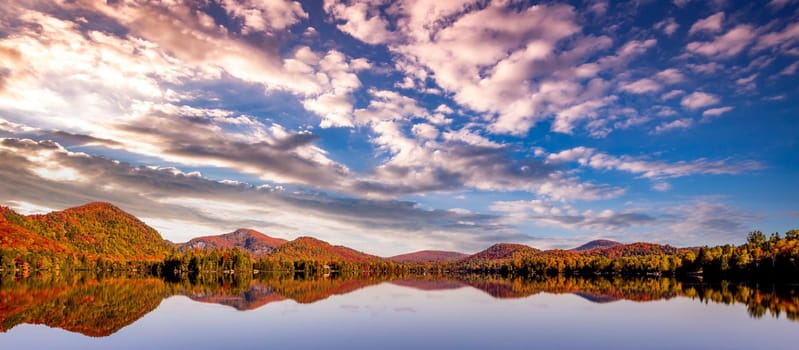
(501, 251)
(310, 248)
(249, 240)
(597, 244)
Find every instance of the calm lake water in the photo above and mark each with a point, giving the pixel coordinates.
(457, 312)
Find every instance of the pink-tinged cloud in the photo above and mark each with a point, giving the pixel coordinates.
(730, 44)
(711, 24)
(698, 100)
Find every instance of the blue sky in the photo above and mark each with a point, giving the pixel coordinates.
(392, 126)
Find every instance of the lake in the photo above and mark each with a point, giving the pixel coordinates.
(393, 312)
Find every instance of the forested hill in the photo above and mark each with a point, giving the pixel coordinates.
(253, 242)
(312, 249)
(89, 232)
(596, 244)
(98, 234)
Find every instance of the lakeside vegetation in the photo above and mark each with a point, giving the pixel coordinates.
(102, 237)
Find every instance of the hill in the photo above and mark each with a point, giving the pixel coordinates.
(427, 256)
(255, 243)
(599, 243)
(503, 251)
(94, 230)
(633, 249)
(312, 249)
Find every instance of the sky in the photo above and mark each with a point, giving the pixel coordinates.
(394, 126)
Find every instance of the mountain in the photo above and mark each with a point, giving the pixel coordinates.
(503, 251)
(257, 295)
(427, 256)
(251, 241)
(16, 236)
(599, 243)
(308, 248)
(95, 229)
(633, 249)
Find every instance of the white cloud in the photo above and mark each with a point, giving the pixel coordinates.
(566, 119)
(550, 214)
(265, 15)
(661, 186)
(425, 131)
(668, 26)
(642, 86)
(791, 69)
(361, 20)
(711, 24)
(782, 40)
(674, 124)
(670, 76)
(698, 100)
(746, 80)
(657, 170)
(715, 112)
(672, 94)
(727, 45)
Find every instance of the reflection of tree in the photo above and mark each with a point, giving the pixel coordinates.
(100, 306)
(93, 307)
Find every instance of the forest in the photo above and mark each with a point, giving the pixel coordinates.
(772, 257)
(102, 237)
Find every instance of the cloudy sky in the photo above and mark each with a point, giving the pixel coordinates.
(392, 126)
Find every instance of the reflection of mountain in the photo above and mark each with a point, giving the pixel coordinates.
(256, 296)
(95, 307)
(429, 284)
(594, 298)
(100, 307)
(312, 290)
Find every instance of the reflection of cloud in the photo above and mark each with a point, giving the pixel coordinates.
(405, 309)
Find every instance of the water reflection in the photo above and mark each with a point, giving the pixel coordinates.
(102, 305)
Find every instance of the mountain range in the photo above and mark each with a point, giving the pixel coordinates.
(101, 230)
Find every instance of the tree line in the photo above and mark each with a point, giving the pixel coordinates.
(764, 257)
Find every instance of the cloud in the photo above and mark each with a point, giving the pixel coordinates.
(776, 5)
(725, 46)
(791, 69)
(661, 186)
(360, 20)
(517, 66)
(715, 112)
(265, 15)
(782, 40)
(655, 170)
(711, 24)
(168, 196)
(670, 76)
(672, 94)
(549, 214)
(706, 221)
(698, 100)
(674, 124)
(668, 26)
(642, 86)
